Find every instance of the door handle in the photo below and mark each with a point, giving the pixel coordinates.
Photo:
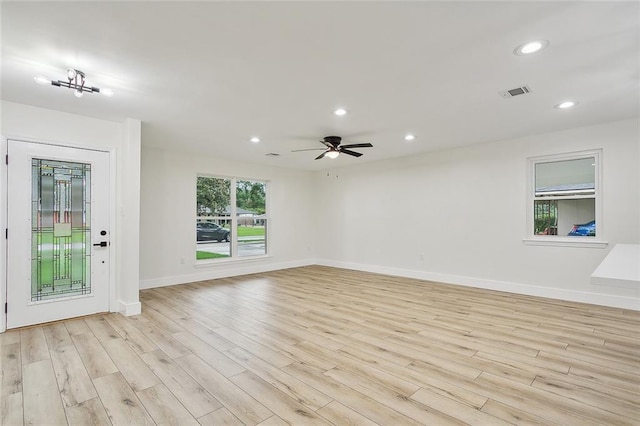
(101, 244)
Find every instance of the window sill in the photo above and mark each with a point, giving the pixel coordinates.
(582, 242)
(207, 263)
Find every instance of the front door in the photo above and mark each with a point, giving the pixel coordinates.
(58, 233)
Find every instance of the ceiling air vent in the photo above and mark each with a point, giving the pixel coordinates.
(522, 90)
(272, 154)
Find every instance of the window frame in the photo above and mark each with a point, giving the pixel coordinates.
(596, 241)
(233, 218)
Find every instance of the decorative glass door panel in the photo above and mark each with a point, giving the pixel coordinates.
(58, 249)
(61, 230)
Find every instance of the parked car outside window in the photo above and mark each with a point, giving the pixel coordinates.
(584, 230)
(209, 231)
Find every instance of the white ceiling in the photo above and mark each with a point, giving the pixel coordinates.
(206, 76)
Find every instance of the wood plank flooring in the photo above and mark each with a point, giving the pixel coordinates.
(318, 345)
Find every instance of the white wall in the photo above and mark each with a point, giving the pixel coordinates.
(464, 211)
(123, 141)
(168, 240)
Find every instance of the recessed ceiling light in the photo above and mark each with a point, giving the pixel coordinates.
(565, 105)
(409, 137)
(340, 112)
(530, 47)
(255, 139)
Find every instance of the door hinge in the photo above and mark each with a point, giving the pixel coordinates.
(6, 233)
(5, 307)
(6, 159)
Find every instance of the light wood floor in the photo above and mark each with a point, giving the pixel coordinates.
(318, 345)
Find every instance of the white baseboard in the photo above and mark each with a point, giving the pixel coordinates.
(128, 309)
(524, 289)
(219, 271)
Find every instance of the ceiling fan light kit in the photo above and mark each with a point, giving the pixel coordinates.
(332, 154)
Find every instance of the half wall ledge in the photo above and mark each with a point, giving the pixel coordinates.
(621, 267)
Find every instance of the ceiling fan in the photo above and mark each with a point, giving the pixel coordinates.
(333, 148)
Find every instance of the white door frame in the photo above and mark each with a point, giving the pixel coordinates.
(113, 305)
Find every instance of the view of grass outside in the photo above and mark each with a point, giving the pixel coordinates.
(208, 255)
(250, 231)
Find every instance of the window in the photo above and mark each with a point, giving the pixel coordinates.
(231, 218)
(564, 197)
(251, 214)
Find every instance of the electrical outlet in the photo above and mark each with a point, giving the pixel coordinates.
(421, 256)
(182, 260)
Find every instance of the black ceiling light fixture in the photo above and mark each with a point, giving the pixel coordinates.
(75, 81)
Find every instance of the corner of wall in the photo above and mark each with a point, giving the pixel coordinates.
(128, 215)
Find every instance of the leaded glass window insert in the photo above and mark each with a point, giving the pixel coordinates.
(60, 229)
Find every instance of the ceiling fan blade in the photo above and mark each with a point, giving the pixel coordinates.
(327, 144)
(308, 149)
(321, 155)
(346, 151)
(357, 145)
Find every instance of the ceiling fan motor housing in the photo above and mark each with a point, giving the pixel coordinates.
(333, 140)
